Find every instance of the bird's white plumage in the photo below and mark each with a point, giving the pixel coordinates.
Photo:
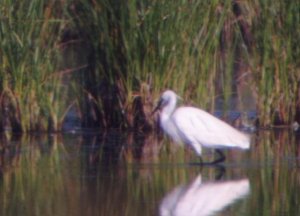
(196, 127)
(203, 198)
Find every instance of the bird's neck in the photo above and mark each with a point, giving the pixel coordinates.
(168, 110)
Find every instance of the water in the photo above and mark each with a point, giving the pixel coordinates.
(129, 174)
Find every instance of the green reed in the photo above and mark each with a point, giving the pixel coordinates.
(140, 48)
(175, 45)
(275, 60)
(181, 49)
(30, 85)
(129, 52)
(195, 48)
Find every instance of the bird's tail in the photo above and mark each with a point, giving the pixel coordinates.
(245, 142)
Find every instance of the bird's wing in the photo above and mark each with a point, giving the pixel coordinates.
(211, 197)
(199, 126)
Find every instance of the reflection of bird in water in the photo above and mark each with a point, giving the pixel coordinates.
(203, 198)
(197, 128)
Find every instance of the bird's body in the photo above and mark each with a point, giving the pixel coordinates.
(203, 197)
(197, 128)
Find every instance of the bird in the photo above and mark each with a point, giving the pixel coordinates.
(197, 128)
(203, 197)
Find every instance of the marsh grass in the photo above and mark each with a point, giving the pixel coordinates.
(140, 48)
(178, 41)
(275, 61)
(30, 90)
(129, 52)
(195, 48)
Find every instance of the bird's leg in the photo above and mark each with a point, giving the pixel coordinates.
(221, 157)
(220, 171)
(218, 160)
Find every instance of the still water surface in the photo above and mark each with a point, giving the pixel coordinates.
(116, 174)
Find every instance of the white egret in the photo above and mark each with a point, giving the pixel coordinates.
(197, 128)
(203, 198)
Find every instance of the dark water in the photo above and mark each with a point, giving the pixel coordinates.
(128, 174)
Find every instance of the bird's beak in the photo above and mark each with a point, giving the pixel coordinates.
(157, 107)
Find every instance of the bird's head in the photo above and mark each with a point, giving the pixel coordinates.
(168, 97)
